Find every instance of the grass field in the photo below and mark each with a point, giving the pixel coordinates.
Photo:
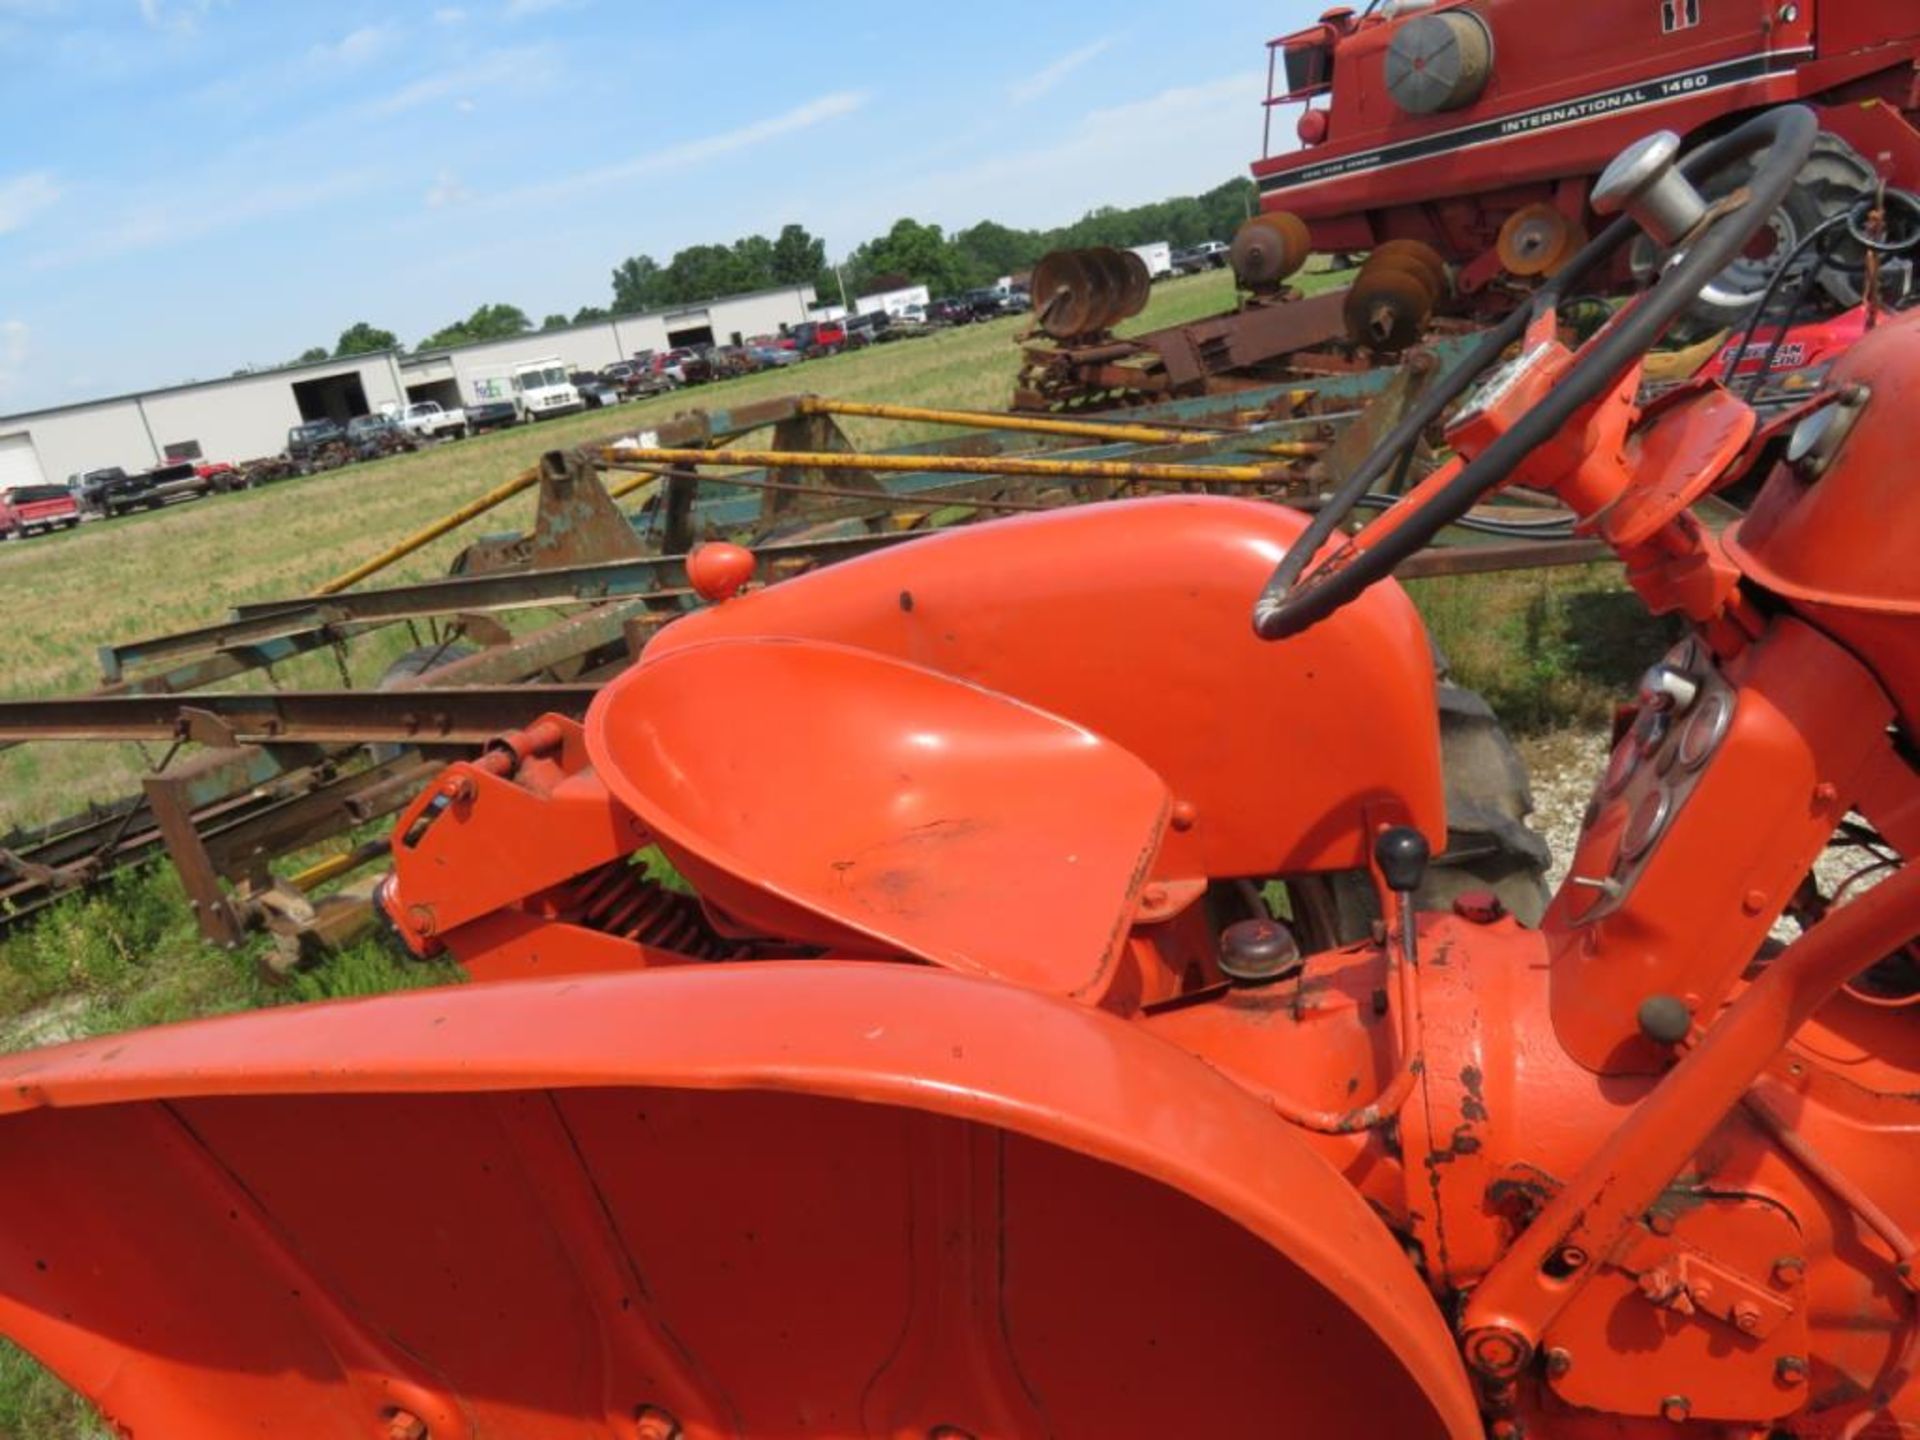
(1550, 649)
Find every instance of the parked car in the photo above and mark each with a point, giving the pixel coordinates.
(949, 312)
(316, 440)
(220, 477)
(729, 361)
(372, 436)
(27, 509)
(89, 487)
(682, 366)
(491, 412)
(774, 357)
(1207, 255)
(111, 491)
(984, 304)
(599, 392)
(819, 337)
(429, 420)
(867, 329)
(910, 315)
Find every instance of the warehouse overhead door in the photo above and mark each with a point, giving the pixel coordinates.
(19, 465)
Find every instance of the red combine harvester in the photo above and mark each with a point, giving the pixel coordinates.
(1009, 1065)
(1455, 147)
(1477, 127)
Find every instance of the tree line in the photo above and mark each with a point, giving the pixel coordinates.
(909, 253)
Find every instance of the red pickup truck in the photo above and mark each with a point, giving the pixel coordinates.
(27, 508)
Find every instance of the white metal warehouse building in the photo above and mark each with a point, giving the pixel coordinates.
(248, 416)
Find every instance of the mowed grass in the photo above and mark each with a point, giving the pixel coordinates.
(188, 565)
(1551, 649)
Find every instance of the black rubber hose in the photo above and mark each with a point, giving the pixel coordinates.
(1789, 131)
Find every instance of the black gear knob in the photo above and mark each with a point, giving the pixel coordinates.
(1402, 853)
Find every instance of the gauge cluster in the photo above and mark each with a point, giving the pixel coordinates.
(1686, 708)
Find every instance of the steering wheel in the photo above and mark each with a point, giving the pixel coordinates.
(1295, 597)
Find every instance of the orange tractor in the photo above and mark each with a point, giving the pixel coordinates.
(1008, 1057)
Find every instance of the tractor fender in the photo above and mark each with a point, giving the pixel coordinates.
(884, 1197)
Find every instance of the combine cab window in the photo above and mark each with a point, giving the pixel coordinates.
(1309, 67)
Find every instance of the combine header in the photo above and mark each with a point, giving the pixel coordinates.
(935, 997)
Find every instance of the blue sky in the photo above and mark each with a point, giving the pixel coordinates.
(189, 186)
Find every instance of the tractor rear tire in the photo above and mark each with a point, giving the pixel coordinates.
(1833, 179)
(1489, 845)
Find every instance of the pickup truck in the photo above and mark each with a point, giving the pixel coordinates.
(428, 420)
(1207, 255)
(27, 508)
(112, 491)
(319, 445)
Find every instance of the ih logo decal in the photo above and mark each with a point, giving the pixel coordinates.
(1679, 15)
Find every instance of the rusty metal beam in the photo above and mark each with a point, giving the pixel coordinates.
(645, 576)
(468, 715)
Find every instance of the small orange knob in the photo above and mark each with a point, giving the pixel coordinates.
(718, 570)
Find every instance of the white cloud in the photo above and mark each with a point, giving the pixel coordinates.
(15, 340)
(449, 15)
(211, 204)
(446, 190)
(1178, 141)
(518, 68)
(356, 47)
(181, 16)
(694, 152)
(1033, 86)
(25, 196)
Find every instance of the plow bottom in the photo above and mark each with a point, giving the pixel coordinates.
(590, 1263)
(940, 1207)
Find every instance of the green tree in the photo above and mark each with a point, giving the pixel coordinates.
(489, 322)
(361, 338)
(920, 252)
(989, 250)
(798, 258)
(555, 322)
(753, 263)
(308, 356)
(637, 285)
(701, 272)
(587, 313)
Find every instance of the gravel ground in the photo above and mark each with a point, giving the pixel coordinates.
(1563, 769)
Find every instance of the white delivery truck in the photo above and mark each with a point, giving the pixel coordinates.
(1158, 257)
(531, 390)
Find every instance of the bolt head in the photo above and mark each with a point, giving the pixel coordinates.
(1498, 1352)
(1790, 1370)
(1675, 1408)
(1746, 1316)
(1559, 1361)
(1788, 1269)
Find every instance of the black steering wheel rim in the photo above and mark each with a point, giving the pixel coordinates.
(1286, 607)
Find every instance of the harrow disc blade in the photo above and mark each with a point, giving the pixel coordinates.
(1268, 248)
(1063, 294)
